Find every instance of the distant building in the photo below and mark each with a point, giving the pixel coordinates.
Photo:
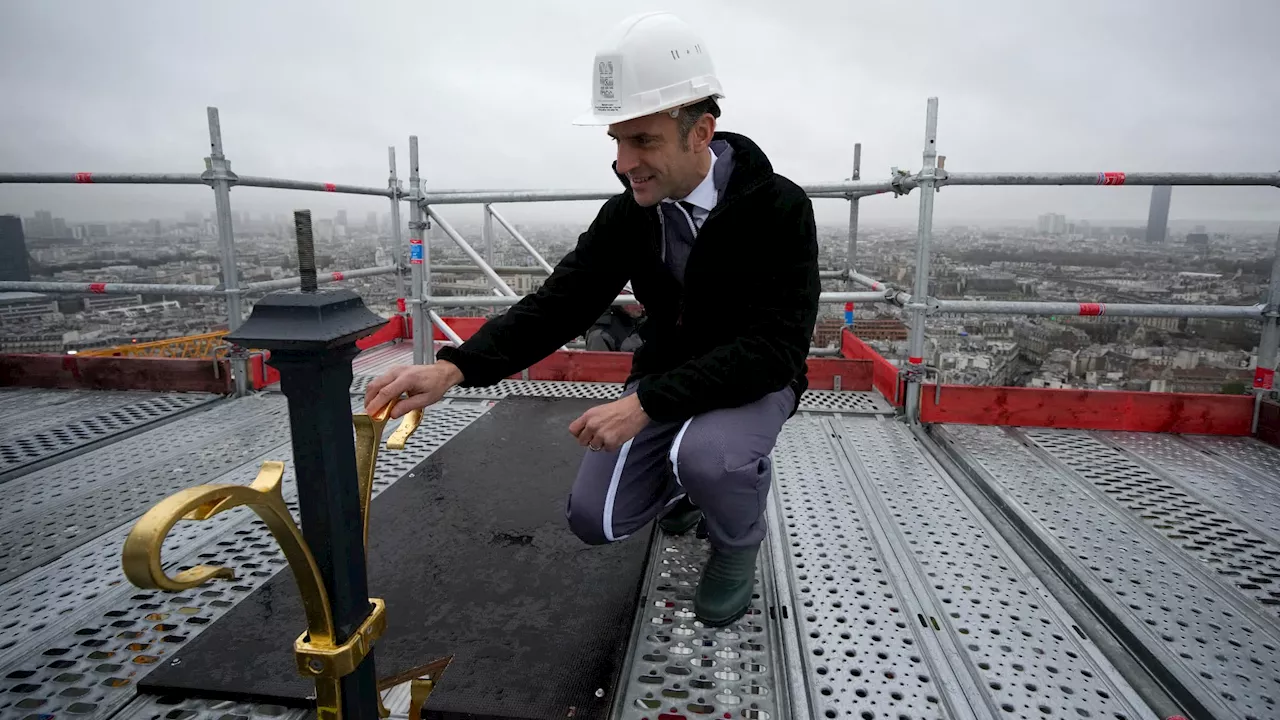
(1198, 240)
(880, 329)
(826, 333)
(27, 306)
(1158, 215)
(13, 250)
(1051, 224)
(97, 304)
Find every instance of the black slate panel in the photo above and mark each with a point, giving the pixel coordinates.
(475, 560)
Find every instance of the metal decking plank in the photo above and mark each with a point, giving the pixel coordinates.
(864, 653)
(90, 667)
(1245, 562)
(958, 681)
(1210, 657)
(117, 463)
(1001, 627)
(26, 541)
(22, 454)
(44, 408)
(1220, 485)
(1246, 453)
(678, 666)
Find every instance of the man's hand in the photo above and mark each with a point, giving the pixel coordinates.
(608, 427)
(424, 384)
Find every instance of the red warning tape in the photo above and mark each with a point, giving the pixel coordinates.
(1264, 379)
(84, 177)
(915, 360)
(1091, 308)
(1110, 178)
(330, 187)
(99, 288)
(337, 276)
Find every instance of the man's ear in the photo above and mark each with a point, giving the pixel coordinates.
(703, 131)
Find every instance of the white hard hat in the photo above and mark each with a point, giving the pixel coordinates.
(649, 63)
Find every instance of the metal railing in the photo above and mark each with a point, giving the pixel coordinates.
(421, 303)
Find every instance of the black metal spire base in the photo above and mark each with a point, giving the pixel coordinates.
(311, 336)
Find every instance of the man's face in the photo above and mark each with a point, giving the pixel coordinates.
(653, 159)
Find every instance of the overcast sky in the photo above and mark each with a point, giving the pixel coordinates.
(317, 91)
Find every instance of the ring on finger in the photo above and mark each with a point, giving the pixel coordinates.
(593, 448)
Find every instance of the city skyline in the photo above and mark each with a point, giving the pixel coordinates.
(1097, 87)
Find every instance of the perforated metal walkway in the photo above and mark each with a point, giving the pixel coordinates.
(907, 574)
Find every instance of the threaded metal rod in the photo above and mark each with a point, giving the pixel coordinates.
(306, 250)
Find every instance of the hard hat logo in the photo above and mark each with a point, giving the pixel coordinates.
(649, 63)
(606, 95)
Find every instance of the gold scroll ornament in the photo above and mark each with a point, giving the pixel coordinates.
(316, 653)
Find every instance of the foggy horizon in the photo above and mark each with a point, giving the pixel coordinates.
(318, 91)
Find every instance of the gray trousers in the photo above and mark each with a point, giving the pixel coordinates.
(720, 459)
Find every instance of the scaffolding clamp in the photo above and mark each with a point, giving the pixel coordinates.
(218, 168)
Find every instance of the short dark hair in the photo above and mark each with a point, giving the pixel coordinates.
(690, 114)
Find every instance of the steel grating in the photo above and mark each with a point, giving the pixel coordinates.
(1249, 454)
(62, 506)
(1017, 640)
(1010, 647)
(40, 601)
(89, 667)
(862, 651)
(1214, 483)
(18, 451)
(40, 408)
(678, 667)
(812, 401)
(1201, 637)
(1238, 554)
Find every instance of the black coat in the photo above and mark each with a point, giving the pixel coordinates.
(738, 330)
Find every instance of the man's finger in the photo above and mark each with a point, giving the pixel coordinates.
(413, 402)
(388, 393)
(576, 426)
(377, 384)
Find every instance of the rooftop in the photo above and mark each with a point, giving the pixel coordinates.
(935, 571)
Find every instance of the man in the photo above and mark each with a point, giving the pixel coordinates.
(722, 253)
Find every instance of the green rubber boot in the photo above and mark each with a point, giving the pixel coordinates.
(680, 518)
(724, 592)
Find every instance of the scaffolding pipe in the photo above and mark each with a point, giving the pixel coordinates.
(505, 301)
(470, 251)
(1269, 342)
(218, 172)
(283, 184)
(92, 178)
(424, 350)
(851, 254)
(924, 234)
(444, 328)
(110, 288)
(854, 297)
(537, 256)
(1110, 178)
(321, 278)
(836, 189)
(393, 185)
(860, 279)
(469, 301)
(503, 269)
(1000, 307)
(486, 234)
